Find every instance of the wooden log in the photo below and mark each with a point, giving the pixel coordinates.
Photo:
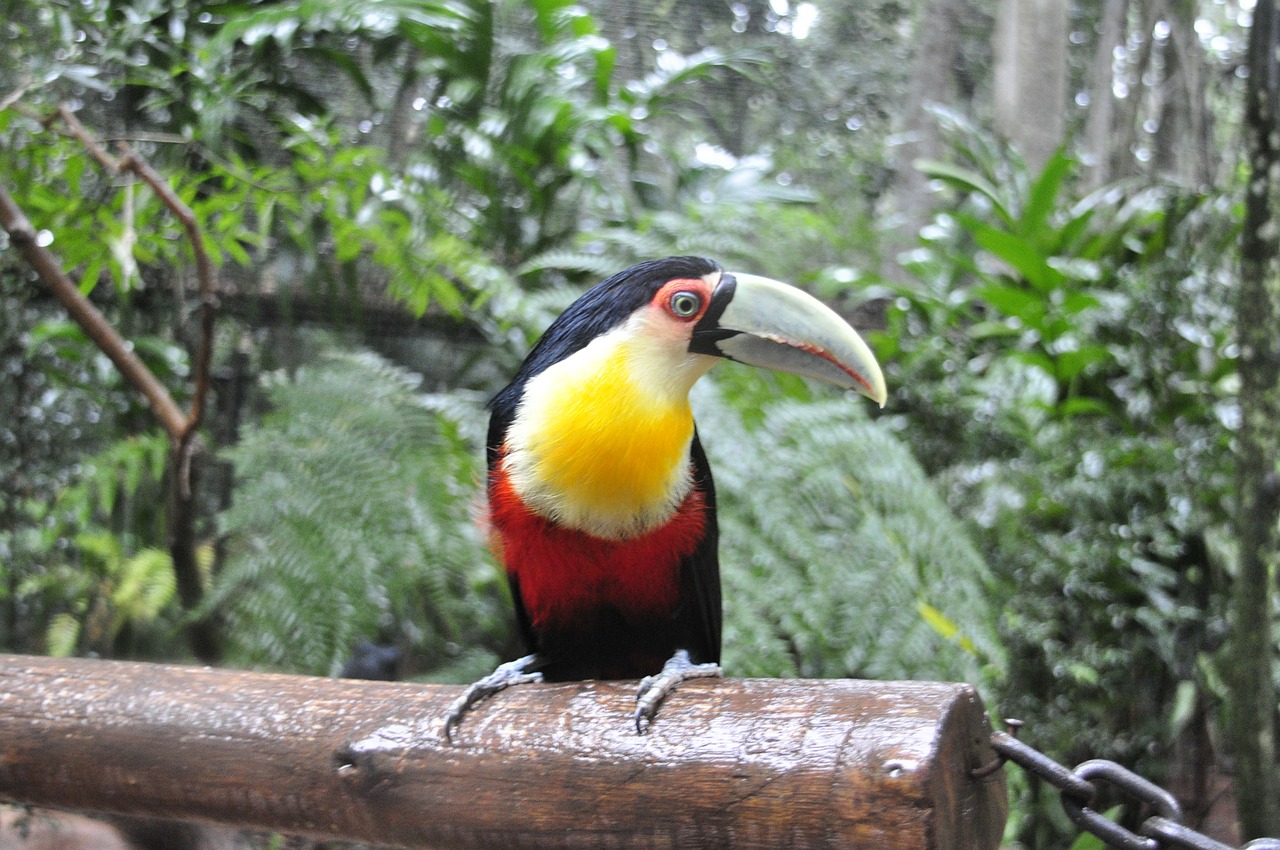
(727, 764)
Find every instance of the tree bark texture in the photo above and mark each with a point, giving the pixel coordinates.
(89, 318)
(729, 763)
(1182, 143)
(1100, 125)
(1031, 76)
(1253, 702)
(204, 630)
(940, 31)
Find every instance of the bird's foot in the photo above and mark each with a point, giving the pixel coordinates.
(508, 674)
(654, 689)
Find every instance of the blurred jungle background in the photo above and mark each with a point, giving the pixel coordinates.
(1052, 221)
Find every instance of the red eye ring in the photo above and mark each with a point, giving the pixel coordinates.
(683, 299)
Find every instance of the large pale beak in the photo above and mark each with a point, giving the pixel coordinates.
(765, 323)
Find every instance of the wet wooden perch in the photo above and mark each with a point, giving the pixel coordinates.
(733, 764)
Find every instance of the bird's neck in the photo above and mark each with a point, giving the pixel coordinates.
(600, 441)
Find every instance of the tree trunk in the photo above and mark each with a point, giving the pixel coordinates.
(203, 632)
(1102, 100)
(403, 130)
(1182, 140)
(1031, 76)
(1253, 699)
(940, 33)
(1128, 110)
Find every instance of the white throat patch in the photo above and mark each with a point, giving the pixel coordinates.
(600, 440)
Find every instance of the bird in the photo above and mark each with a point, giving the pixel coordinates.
(601, 506)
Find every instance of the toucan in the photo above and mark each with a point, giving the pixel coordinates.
(601, 507)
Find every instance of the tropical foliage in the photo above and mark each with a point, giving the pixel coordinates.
(399, 196)
(1080, 346)
(397, 558)
(840, 559)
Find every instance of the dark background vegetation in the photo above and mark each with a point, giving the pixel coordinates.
(1053, 219)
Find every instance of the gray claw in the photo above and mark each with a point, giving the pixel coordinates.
(654, 689)
(503, 677)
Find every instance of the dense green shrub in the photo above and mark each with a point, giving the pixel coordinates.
(353, 519)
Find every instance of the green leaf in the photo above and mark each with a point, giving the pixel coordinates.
(146, 584)
(993, 330)
(132, 469)
(549, 15)
(1042, 197)
(1184, 705)
(1019, 253)
(1024, 304)
(101, 547)
(1082, 672)
(1083, 406)
(1078, 302)
(966, 181)
(1072, 363)
(605, 60)
(1089, 841)
(55, 331)
(62, 635)
(944, 626)
(1070, 234)
(85, 75)
(1038, 359)
(237, 252)
(349, 244)
(92, 274)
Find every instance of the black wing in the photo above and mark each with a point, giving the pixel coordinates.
(700, 615)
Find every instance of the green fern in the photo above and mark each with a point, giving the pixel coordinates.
(726, 232)
(838, 557)
(104, 593)
(120, 470)
(573, 261)
(353, 519)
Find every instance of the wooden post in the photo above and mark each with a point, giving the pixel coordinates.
(728, 764)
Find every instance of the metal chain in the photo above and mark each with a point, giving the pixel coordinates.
(1078, 787)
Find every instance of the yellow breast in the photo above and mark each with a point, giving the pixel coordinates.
(601, 439)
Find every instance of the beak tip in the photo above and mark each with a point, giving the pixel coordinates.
(875, 388)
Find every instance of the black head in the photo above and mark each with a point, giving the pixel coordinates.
(601, 308)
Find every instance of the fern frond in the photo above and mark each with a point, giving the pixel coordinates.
(833, 541)
(583, 262)
(353, 521)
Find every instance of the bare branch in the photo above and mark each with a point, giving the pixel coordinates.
(16, 95)
(154, 138)
(23, 235)
(204, 276)
(183, 429)
(97, 151)
(129, 160)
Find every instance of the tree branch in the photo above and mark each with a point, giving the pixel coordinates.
(16, 95)
(130, 161)
(95, 325)
(183, 429)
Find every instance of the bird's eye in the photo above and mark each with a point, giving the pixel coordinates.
(685, 304)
